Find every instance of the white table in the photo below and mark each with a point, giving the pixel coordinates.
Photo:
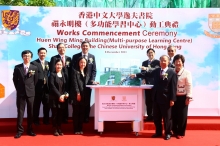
(119, 103)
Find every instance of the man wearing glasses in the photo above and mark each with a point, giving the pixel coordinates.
(25, 77)
(171, 51)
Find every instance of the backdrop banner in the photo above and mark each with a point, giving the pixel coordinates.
(119, 40)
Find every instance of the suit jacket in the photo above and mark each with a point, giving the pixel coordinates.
(171, 65)
(54, 92)
(184, 83)
(25, 84)
(79, 86)
(91, 65)
(42, 74)
(163, 90)
(154, 64)
(66, 69)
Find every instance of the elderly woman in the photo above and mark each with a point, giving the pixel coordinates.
(183, 97)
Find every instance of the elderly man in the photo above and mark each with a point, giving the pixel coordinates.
(164, 95)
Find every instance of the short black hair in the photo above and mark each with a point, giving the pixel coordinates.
(84, 42)
(41, 48)
(77, 65)
(59, 45)
(179, 56)
(58, 60)
(26, 52)
(151, 50)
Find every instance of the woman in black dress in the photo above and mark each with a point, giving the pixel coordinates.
(58, 95)
(80, 79)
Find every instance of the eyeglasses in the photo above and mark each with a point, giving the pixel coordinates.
(26, 56)
(170, 50)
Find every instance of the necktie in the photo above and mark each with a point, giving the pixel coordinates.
(63, 59)
(42, 63)
(26, 70)
(149, 62)
(85, 57)
(161, 73)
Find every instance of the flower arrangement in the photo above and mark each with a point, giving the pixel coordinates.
(31, 72)
(165, 76)
(47, 67)
(90, 60)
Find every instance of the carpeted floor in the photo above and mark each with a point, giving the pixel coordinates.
(115, 134)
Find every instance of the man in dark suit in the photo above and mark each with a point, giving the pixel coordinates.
(171, 51)
(25, 78)
(151, 63)
(41, 88)
(164, 95)
(66, 70)
(91, 71)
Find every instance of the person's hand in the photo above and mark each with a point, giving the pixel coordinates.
(188, 100)
(61, 99)
(66, 95)
(78, 98)
(95, 83)
(143, 82)
(132, 76)
(143, 68)
(171, 102)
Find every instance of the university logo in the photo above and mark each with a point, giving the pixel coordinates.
(214, 25)
(10, 23)
(113, 97)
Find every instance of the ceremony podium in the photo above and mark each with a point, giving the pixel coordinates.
(119, 103)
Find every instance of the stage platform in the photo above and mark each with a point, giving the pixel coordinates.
(8, 126)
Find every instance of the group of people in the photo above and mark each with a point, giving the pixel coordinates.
(55, 84)
(63, 81)
(171, 93)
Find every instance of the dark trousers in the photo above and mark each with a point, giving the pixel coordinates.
(66, 111)
(78, 117)
(149, 102)
(44, 99)
(21, 103)
(162, 111)
(179, 115)
(57, 114)
(87, 107)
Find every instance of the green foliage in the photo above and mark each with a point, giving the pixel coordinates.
(18, 3)
(46, 3)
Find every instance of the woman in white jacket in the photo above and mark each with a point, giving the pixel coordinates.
(183, 96)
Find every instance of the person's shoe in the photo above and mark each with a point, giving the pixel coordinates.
(18, 135)
(55, 133)
(81, 132)
(60, 132)
(31, 133)
(167, 137)
(156, 135)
